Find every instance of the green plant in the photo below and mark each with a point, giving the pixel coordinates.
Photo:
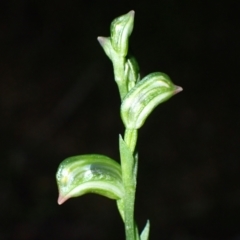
(100, 174)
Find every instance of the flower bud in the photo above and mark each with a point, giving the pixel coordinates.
(152, 90)
(121, 29)
(93, 173)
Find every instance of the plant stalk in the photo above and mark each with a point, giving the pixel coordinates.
(130, 138)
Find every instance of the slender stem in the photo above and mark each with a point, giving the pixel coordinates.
(130, 138)
(129, 181)
(119, 75)
(129, 212)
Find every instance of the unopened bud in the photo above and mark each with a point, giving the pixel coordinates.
(89, 174)
(148, 93)
(121, 29)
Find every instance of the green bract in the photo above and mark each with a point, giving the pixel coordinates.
(91, 173)
(145, 232)
(107, 47)
(152, 90)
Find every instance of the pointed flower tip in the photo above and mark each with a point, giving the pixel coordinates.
(132, 12)
(61, 199)
(177, 89)
(101, 40)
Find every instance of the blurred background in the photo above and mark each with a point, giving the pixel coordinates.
(58, 99)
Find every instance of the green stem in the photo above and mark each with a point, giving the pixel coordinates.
(130, 138)
(129, 212)
(129, 183)
(119, 75)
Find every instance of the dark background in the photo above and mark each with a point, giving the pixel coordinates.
(58, 99)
